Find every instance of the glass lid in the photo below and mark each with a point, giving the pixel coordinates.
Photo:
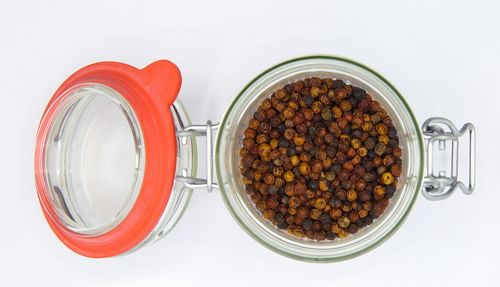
(106, 155)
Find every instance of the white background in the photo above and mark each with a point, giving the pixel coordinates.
(442, 55)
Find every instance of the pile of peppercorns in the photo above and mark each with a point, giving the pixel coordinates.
(320, 158)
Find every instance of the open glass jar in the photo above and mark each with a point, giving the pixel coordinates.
(115, 160)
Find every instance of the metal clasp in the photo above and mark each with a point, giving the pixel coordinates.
(206, 131)
(440, 186)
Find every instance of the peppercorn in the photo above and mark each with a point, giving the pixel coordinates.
(268, 179)
(388, 160)
(262, 138)
(377, 210)
(300, 189)
(390, 190)
(298, 140)
(367, 205)
(298, 231)
(383, 139)
(293, 202)
(381, 169)
(304, 168)
(294, 160)
(274, 143)
(327, 163)
(381, 129)
(326, 220)
(362, 151)
(330, 176)
(264, 149)
(350, 152)
(320, 203)
(288, 113)
(268, 214)
(346, 207)
(314, 92)
(387, 178)
(360, 185)
(314, 175)
(352, 195)
(305, 157)
(288, 134)
(345, 106)
(360, 170)
(326, 114)
(315, 213)
(396, 152)
(379, 192)
(355, 143)
(317, 166)
(317, 107)
(307, 224)
(356, 160)
(396, 170)
(318, 150)
(352, 229)
(288, 176)
(298, 119)
(336, 229)
(362, 213)
(380, 148)
(293, 104)
(366, 126)
(343, 221)
(336, 112)
(353, 216)
(348, 165)
(323, 185)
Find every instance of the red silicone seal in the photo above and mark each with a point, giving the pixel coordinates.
(150, 92)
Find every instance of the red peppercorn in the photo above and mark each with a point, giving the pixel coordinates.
(320, 158)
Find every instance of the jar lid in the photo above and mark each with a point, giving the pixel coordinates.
(94, 198)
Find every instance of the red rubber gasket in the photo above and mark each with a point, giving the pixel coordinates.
(150, 92)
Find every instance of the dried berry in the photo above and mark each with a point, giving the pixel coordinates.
(298, 140)
(320, 159)
(288, 176)
(343, 221)
(387, 178)
(352, 195)
(320, 203)
(315, 213)
(293, 202)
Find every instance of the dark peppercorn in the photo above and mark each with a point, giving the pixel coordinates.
(330, 235)
(325, 219)
(352, 229)
(320, 159)
(390, 190)
(358, 94)
(337, 84)
(307, 224)
(272, 190)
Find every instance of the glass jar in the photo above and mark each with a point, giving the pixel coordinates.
(115, 160)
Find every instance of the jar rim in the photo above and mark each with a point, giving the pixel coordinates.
(262, 235)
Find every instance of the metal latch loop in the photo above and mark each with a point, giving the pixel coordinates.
(440, 186)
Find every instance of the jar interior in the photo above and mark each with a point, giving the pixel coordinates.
(94, 159)
(231, 136)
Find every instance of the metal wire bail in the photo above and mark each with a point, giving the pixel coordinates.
(206, 131)
(440, 186)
